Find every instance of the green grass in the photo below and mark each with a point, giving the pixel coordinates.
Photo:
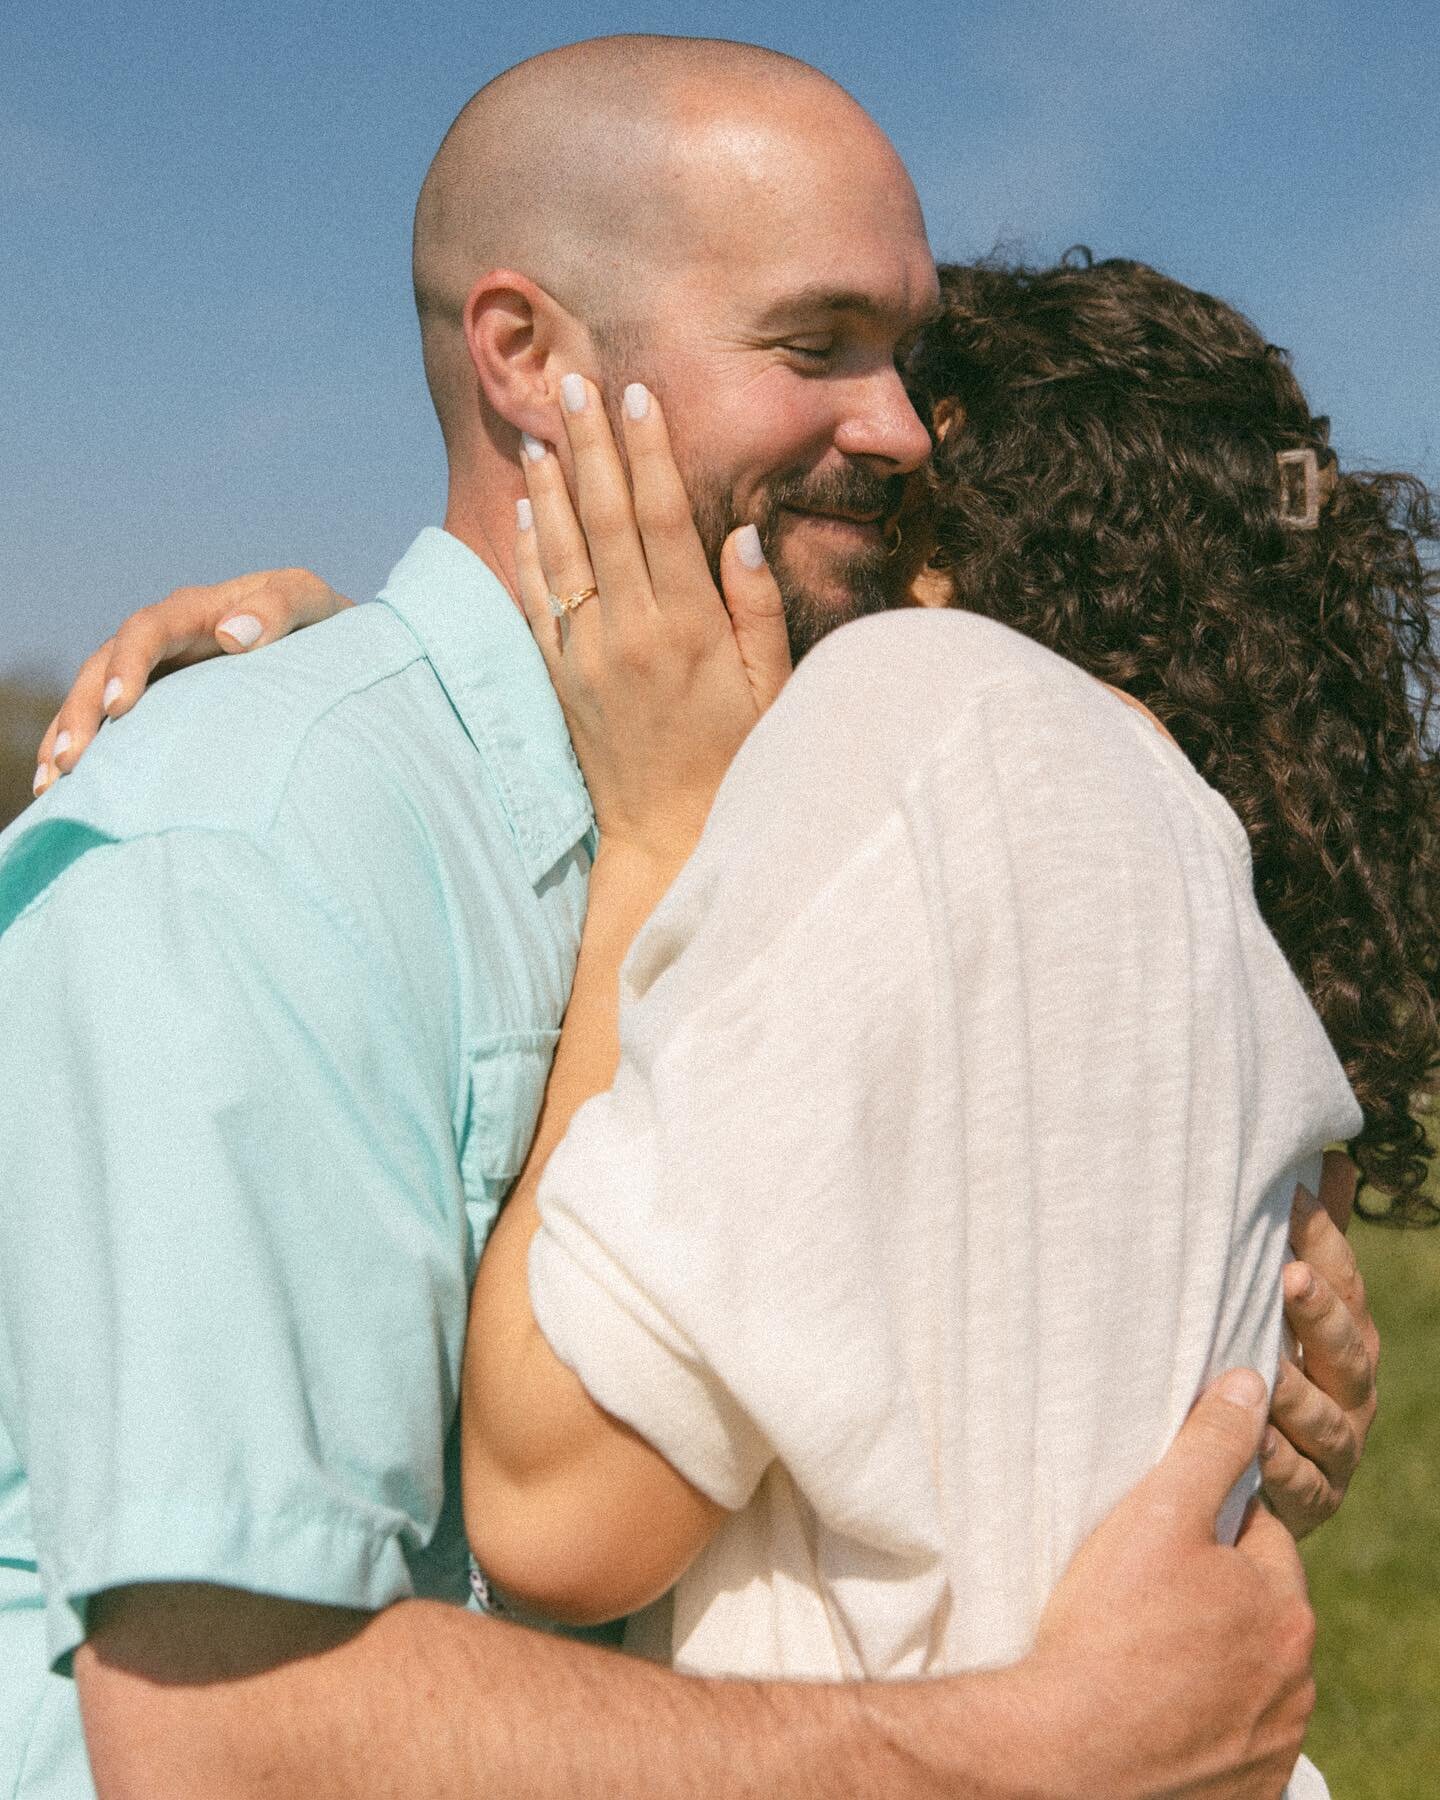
(1375, 1569)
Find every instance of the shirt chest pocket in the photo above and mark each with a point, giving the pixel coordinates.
(507, 1080)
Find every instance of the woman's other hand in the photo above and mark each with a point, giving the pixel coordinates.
(660, 678)
(1324, 1400)
(185, 627)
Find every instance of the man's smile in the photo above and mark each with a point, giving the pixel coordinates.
(849, 524)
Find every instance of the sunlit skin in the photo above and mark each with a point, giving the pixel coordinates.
(773, 344)
(744, 241)
(925, 583)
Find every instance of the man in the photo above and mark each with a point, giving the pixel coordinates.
(292, 952)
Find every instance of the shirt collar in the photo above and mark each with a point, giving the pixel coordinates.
(493, 674)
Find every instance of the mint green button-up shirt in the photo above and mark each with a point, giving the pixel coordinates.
(282, 967)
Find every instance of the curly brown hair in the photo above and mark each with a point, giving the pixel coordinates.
(1109, 486)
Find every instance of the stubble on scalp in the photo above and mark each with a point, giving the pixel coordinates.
(569, 168)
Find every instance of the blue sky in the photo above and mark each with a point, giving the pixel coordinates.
(210, 361)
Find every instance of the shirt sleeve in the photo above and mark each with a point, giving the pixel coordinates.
(715, 1231)
(233, 1284)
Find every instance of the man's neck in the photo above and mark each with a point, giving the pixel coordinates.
(477, 522)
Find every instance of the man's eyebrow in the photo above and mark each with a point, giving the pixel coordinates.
(821, 298)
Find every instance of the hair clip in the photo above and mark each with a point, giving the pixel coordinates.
(1304, 487)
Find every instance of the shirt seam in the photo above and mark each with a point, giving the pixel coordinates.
(71, 1588)
(367, 1523)
(258, 833)
(571, 818)
(336, 919)
(286, 778)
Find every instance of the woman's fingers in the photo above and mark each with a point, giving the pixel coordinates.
(635, 539)
(188, 626)
(75, 724)
(258, 609)
(533, 589)
(757, 615)
(602, 497)
(195, 623)
(180, 630)
(44, 765)
(1297, 1491)
(559, 542)
(45, 770)
(679, 569)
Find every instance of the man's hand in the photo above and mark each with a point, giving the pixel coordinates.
(1321, 1412)
(1166, 1668)
(1183, 1665)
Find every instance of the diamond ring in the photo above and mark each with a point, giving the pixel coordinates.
(559, 608)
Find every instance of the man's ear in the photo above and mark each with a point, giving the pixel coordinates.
(518, 336)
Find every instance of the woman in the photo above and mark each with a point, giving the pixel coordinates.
(963, 547)
(1122, 475)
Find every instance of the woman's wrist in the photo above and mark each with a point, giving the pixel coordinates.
(635, 868)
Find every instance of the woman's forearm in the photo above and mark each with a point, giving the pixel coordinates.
(626, 885)
(566, 1508)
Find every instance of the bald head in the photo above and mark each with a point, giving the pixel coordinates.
(719, 223)
(594, 168)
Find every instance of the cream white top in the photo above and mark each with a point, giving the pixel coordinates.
(962, 1096)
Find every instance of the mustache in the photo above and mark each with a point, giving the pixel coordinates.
(847, 490)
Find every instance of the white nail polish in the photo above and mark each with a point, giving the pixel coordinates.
(62, 743)
(42, 779)
(532, 447)
(245, 628)
(524, 516)
(637, 400)
(749, 548)
(114, 688)
(572, 393)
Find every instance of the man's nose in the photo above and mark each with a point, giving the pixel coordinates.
(883, 425)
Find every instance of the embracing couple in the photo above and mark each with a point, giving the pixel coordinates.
(937, 1142)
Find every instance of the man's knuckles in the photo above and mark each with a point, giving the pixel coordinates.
(1315, 1482)
(1292, 1393)
(1295, 1639)
(1301, 1497)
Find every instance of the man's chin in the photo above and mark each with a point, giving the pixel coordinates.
(814, 607)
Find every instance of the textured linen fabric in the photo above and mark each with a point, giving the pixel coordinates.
(942, 1169)
(282, 968)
